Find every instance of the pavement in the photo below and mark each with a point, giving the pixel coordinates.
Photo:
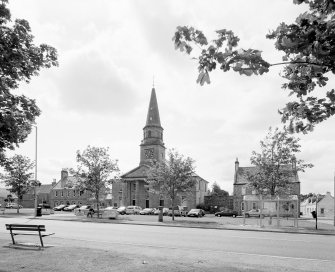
(325, 226)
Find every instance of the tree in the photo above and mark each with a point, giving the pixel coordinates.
(8, 199)
(302, 197)
(18, 175)
(216, 190)
(173, 176)
(308, 47)
(277, 164)
(94, 171)
(20, 59)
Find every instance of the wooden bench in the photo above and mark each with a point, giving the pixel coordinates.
(28, 229)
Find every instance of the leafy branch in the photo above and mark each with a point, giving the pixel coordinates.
(309, 55)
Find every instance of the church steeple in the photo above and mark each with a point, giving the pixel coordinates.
(152, 145)
(153, 113)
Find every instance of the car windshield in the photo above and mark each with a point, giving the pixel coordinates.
(110, 208)
(83, 207)
(72, 206)
(147, 210)
(195, 210)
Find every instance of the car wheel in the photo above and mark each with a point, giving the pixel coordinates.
(219, 215)
(234, 215)
(247, 215)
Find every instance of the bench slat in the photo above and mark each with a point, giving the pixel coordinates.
(27, 229)
(24, 225)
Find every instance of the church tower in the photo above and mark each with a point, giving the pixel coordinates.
(152, 146)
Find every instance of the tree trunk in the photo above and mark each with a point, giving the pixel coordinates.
(18, 205)
(172, 209)
(97, 200)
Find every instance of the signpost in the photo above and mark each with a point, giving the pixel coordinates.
(35, 192)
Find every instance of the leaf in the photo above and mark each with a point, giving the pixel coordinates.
(288, 42)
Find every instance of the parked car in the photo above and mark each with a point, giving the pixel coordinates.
(70, 208)
(133, 210)
(122, 210)
(226, 212)
(82, 210)
(13, 206)
(44, 206)
(165, 211)
(109, 208)
(84, 207)
(147, 211)
(110, 212)
(257, 213)
(196, 213)
(176, 211)
(60, 207)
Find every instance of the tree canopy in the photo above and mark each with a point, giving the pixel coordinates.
(308, 48)
(172, 176)
(276, 164)
(94, 171)
(216, 190)
(18, 175)
(20, 60)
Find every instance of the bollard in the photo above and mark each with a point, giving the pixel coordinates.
(160, 215)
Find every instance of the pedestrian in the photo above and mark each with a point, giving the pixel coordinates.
(90, 212)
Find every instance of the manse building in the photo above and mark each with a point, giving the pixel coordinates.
(133, 188)
(245, 198)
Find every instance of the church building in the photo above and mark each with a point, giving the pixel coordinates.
(133, 188)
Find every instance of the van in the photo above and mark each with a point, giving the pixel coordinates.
(133, 210)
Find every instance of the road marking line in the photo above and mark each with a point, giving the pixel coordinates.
(197, 249)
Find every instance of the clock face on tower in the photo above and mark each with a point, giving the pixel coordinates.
(149, 153)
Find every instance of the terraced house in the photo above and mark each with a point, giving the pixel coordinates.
(65, 191)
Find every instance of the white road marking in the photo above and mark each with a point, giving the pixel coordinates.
(199, 249)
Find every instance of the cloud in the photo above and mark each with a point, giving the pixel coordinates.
(90, 84)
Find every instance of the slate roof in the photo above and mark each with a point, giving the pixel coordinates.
(70, 182)
(153, 113)
(197, 176)
(242, 178)
(44, 189)
(141, 173)
(138, 172)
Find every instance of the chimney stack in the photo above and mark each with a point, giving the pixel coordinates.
(237, 165)
(64, 174)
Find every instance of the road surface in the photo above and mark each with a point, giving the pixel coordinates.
(209, 249)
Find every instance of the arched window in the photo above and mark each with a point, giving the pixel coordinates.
(149, 133)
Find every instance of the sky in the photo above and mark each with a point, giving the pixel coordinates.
(109, 52)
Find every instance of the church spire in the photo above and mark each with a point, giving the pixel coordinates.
(153, 113)
(152, 145)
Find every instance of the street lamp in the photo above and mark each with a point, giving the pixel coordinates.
(35, 192)
(316, 212)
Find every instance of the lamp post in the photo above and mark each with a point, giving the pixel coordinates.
(35, 192)
(316, 212)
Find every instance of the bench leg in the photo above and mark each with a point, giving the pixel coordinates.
(11, 233)
(41, 238)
